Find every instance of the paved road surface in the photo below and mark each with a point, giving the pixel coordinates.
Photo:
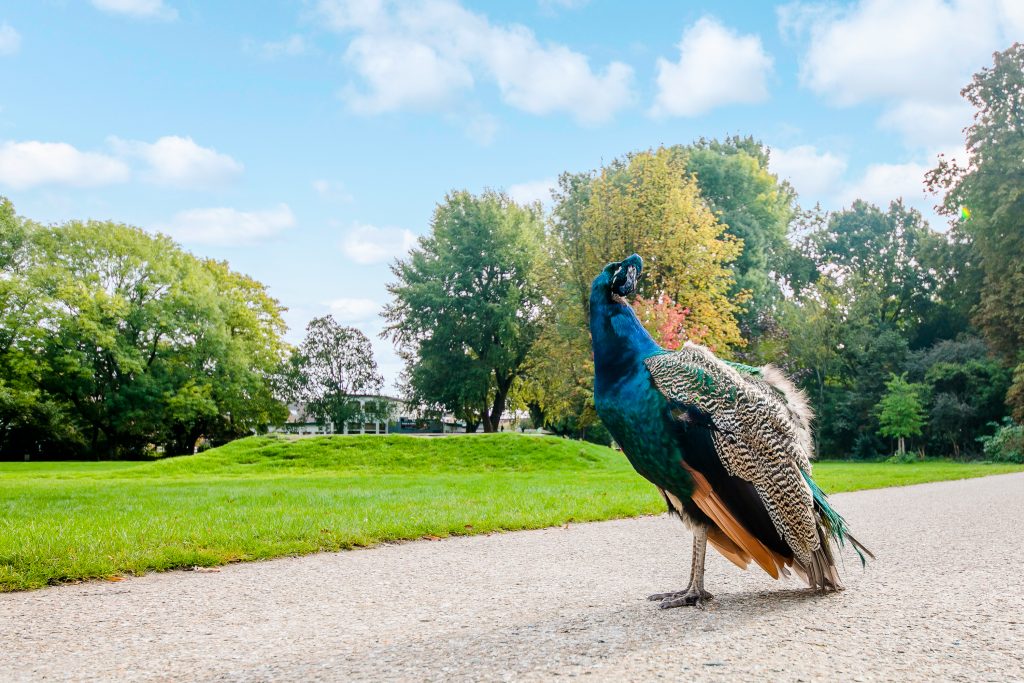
(945, 601)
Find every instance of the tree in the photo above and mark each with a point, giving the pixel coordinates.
(115, 341)
(126, 316)
(886, 285)
(664, 319)
(882, 258)
(988, 192)
(901, 413)
(250, 349)
(440, 382)
(645, 203)
(753, 205)
(813, 325)
(27, 415)
(967, 388)
(333, 364)
(468, 303)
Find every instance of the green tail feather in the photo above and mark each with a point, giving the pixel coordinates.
(745, 369)
(834, 522)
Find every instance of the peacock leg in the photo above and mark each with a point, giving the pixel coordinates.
(694, 595)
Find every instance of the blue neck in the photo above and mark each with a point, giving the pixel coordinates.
(620, 342)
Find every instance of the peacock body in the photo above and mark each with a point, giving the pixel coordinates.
(728, 446)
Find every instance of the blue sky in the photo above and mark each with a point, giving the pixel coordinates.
(307, 143)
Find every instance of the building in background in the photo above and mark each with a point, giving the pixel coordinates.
(398, 417)
(368, 421)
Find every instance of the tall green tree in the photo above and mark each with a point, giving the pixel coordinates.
(986, 193)
(124, 341)
(250, 350)
(759, 208)
(882, 258)
(468, 303)
(812, 325)
(887, 285)
(753, 205)
(333, 364)
(29, 418)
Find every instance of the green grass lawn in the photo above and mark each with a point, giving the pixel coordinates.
(266, 497)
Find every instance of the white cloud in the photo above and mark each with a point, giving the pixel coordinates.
(229, 227)
(543, 80)
(10, 40)
(332, 190)
(368, 244)
(882, 183)
(353, 310)
(813, 174)
(533, 191)
(912, 55)
(399, 73)
(32, 163)
(928, 125)
(925, 49)
(421, 55)
(716, 66)
(180, 162)
(292, 46)
(140, 9)
(343, 15)
(797, 18)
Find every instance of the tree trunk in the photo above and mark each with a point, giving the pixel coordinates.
(485, 419)
(500, 396)
(902, 450)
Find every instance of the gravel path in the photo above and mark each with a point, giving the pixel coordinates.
(945, 601)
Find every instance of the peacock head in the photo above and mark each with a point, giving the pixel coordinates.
(618, 280)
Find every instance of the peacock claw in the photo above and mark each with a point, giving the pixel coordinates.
(687, 598)
(662, 596)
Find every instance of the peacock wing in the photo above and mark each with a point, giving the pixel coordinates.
(754, 437)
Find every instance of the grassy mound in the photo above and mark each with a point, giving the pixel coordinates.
(393, 454)
(271, 496)
(265, 497)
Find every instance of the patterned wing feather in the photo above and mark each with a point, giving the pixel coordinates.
(755, 435)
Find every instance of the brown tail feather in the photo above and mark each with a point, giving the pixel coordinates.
(859, 546)
(739, 546)
(711, 505)
(719, 540)
(724, 545)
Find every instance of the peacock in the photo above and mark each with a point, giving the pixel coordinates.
(728, 445)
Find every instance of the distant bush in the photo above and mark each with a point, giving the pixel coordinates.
(1007, 444)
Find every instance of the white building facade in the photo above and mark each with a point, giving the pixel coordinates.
(301, 423)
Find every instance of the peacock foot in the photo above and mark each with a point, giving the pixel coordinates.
(690, 597)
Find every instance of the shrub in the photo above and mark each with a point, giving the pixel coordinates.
(1007, 444)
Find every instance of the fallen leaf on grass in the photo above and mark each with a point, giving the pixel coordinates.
(469, 526)
(115, 578)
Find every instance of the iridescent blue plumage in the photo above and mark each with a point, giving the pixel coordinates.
(627, 401)
(726, 444)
